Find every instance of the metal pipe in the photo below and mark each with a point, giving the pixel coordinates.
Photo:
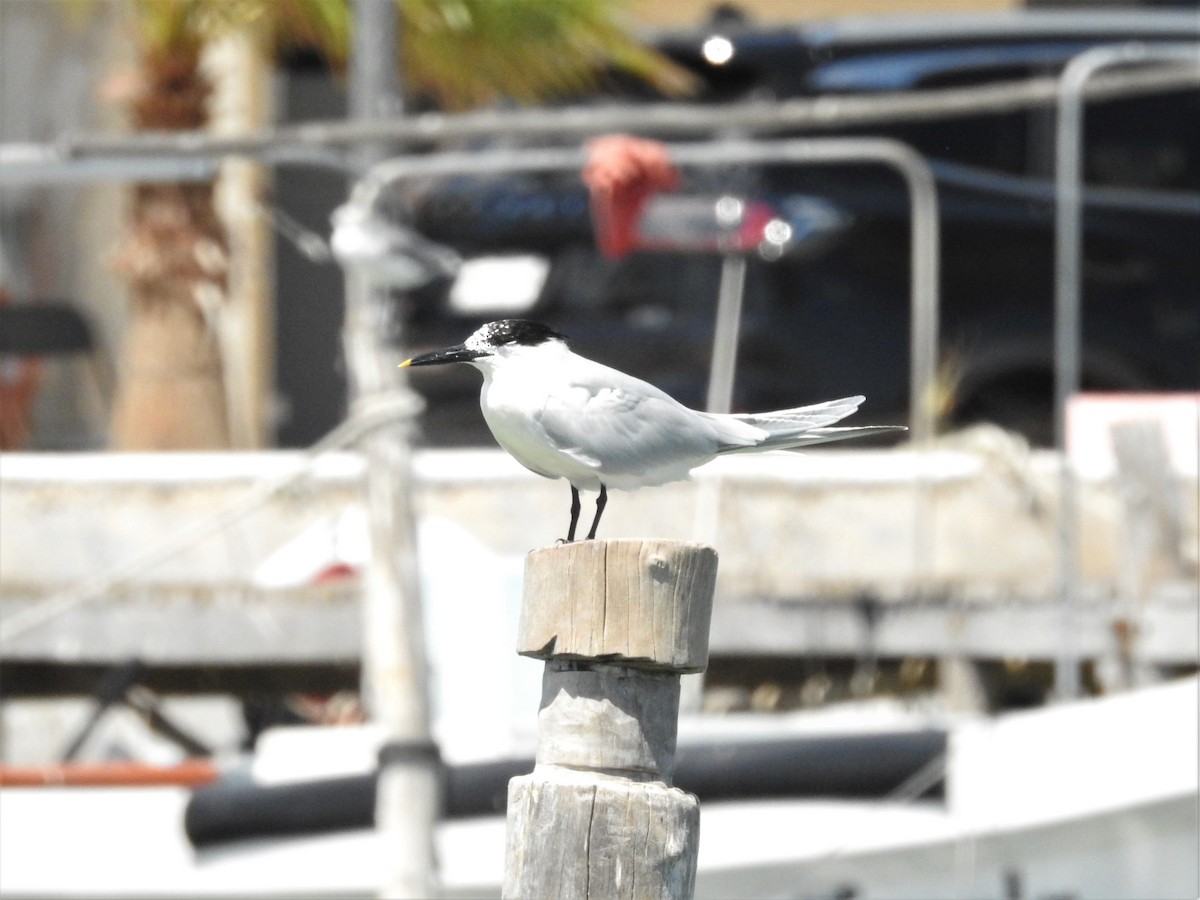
(394, 665)
(726, 333)
(1067, 331)
(374, 66)
(722, 371)
(34, 164)
(326, 143)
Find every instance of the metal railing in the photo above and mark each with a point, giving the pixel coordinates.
(1068, 244)
(923, 205)
(190, 155)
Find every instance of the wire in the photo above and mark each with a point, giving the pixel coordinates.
(306, 241)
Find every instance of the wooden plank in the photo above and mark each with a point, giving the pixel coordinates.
(166, 625)
(1014, 628)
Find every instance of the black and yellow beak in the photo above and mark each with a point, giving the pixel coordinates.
(456, 354)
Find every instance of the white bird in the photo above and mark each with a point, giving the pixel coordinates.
(563, 416)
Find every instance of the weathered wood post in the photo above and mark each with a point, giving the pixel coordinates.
(617, 622)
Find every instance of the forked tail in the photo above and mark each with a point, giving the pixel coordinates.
(786, 429)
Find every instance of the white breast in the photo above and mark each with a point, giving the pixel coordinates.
(511, 406)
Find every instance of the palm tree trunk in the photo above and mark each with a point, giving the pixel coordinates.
(171, 393)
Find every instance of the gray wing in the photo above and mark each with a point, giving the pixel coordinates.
(627, 427)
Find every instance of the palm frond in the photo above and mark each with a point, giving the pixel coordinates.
(321, 25)
(471, 52)
(462, 52)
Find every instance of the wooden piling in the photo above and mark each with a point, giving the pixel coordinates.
(617, 623)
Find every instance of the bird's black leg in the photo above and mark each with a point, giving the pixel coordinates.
(600, 503)
(574, 514)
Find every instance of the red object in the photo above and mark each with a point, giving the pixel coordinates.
(335, 572)
(621, 174)
(19, 380)
(189, 773)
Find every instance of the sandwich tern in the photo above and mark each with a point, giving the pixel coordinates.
(563, 416)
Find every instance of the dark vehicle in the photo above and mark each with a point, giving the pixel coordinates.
(832, 319)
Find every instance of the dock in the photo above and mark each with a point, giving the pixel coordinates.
(894, 553)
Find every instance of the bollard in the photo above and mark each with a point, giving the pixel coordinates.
(617, 623)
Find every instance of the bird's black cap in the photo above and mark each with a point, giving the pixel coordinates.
(517, 331)
(493, 334)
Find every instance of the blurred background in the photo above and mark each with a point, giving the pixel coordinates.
(966, 661)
